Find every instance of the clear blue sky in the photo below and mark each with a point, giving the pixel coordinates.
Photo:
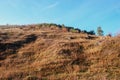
(84, 14)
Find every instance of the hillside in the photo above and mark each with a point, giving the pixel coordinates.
(55, 52)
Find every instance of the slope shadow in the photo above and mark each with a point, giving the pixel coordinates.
(7, 49)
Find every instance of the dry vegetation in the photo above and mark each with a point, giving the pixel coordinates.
(51, 52)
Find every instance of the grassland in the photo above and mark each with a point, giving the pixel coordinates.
(51, 52)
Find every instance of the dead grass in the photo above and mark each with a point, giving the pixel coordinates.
(57, 55)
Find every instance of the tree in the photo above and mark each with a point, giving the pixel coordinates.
(109, 35)
(99, 31)
(91, 32)
(63, 25)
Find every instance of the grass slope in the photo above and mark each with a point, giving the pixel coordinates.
(52, 53)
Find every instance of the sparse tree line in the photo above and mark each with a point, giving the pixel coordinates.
(99, 30)
(67, 28)
(74, 30)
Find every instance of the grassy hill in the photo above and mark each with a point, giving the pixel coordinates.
(56, 52)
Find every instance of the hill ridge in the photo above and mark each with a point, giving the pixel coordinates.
(54, 53)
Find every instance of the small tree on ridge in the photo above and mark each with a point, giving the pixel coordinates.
(99, 31)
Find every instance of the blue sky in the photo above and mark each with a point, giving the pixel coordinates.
(83, 14)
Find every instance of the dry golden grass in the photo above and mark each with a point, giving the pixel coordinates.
(43, 53)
